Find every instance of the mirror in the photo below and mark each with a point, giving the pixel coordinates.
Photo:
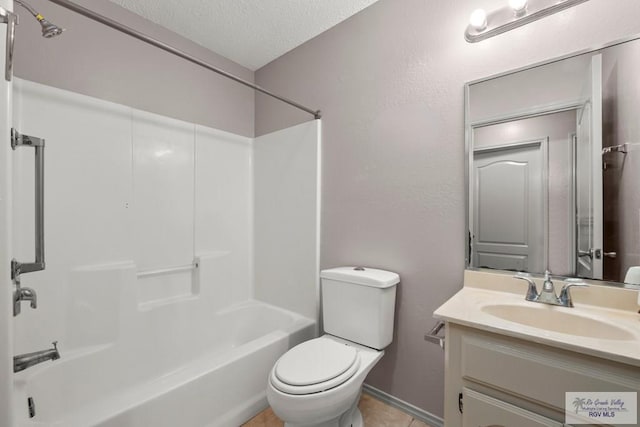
(553, 156)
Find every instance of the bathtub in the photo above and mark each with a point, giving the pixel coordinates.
(167, 373)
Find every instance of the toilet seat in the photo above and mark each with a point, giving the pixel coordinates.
(314, 366)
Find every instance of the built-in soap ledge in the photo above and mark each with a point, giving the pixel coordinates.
(170, 285)
(211, 276)
(166, 271)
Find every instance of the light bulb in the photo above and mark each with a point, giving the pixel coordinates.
(478, 19)
(518, 6)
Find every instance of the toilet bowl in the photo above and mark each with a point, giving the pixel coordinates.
(318, 382)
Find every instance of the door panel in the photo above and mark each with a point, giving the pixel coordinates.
(508, 205)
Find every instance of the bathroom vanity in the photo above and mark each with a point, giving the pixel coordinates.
(551, 184)
(509, 362)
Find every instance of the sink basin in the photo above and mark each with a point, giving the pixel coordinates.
(558, 319)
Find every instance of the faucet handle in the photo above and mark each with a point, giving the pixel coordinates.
(575, 282)
(565, 294)
(28, 294)
(532, 292)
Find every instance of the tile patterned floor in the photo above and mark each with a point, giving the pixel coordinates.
(374, 412)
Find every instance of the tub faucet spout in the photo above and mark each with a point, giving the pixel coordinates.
(24, 361)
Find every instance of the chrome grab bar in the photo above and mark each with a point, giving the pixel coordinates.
(17, 268)
(11, 19)
(433, 335)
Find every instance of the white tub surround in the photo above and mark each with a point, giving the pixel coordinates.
(603, 323)
(149, 287)
(286, 206)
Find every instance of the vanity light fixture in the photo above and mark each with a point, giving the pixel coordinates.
(519, 6)
(516, 14)
(478, 20)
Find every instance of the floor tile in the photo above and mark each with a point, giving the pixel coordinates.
(374, 413)
(265, 418)
(418, 423)
(378, 414)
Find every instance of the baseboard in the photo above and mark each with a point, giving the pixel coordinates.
(410, 409)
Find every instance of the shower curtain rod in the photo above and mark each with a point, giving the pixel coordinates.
(150, 40)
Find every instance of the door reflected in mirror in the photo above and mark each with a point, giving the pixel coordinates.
(553, 157)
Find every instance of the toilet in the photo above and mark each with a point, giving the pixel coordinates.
(318, 383)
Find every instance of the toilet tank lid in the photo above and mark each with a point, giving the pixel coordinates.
(362, 276)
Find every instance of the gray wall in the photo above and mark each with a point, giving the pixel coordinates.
(95, 60)
(390, 82)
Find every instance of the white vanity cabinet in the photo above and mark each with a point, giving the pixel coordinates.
(481, 410)
(496, 380)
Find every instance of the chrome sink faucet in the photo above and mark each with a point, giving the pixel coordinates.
(24, 361)
(548, 293)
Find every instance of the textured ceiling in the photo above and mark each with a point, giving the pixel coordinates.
(249, 32)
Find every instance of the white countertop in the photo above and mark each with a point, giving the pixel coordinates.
(466, 308)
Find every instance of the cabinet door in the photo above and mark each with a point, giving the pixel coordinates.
(484, 411)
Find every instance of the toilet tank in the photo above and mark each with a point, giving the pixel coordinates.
(358, 304)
